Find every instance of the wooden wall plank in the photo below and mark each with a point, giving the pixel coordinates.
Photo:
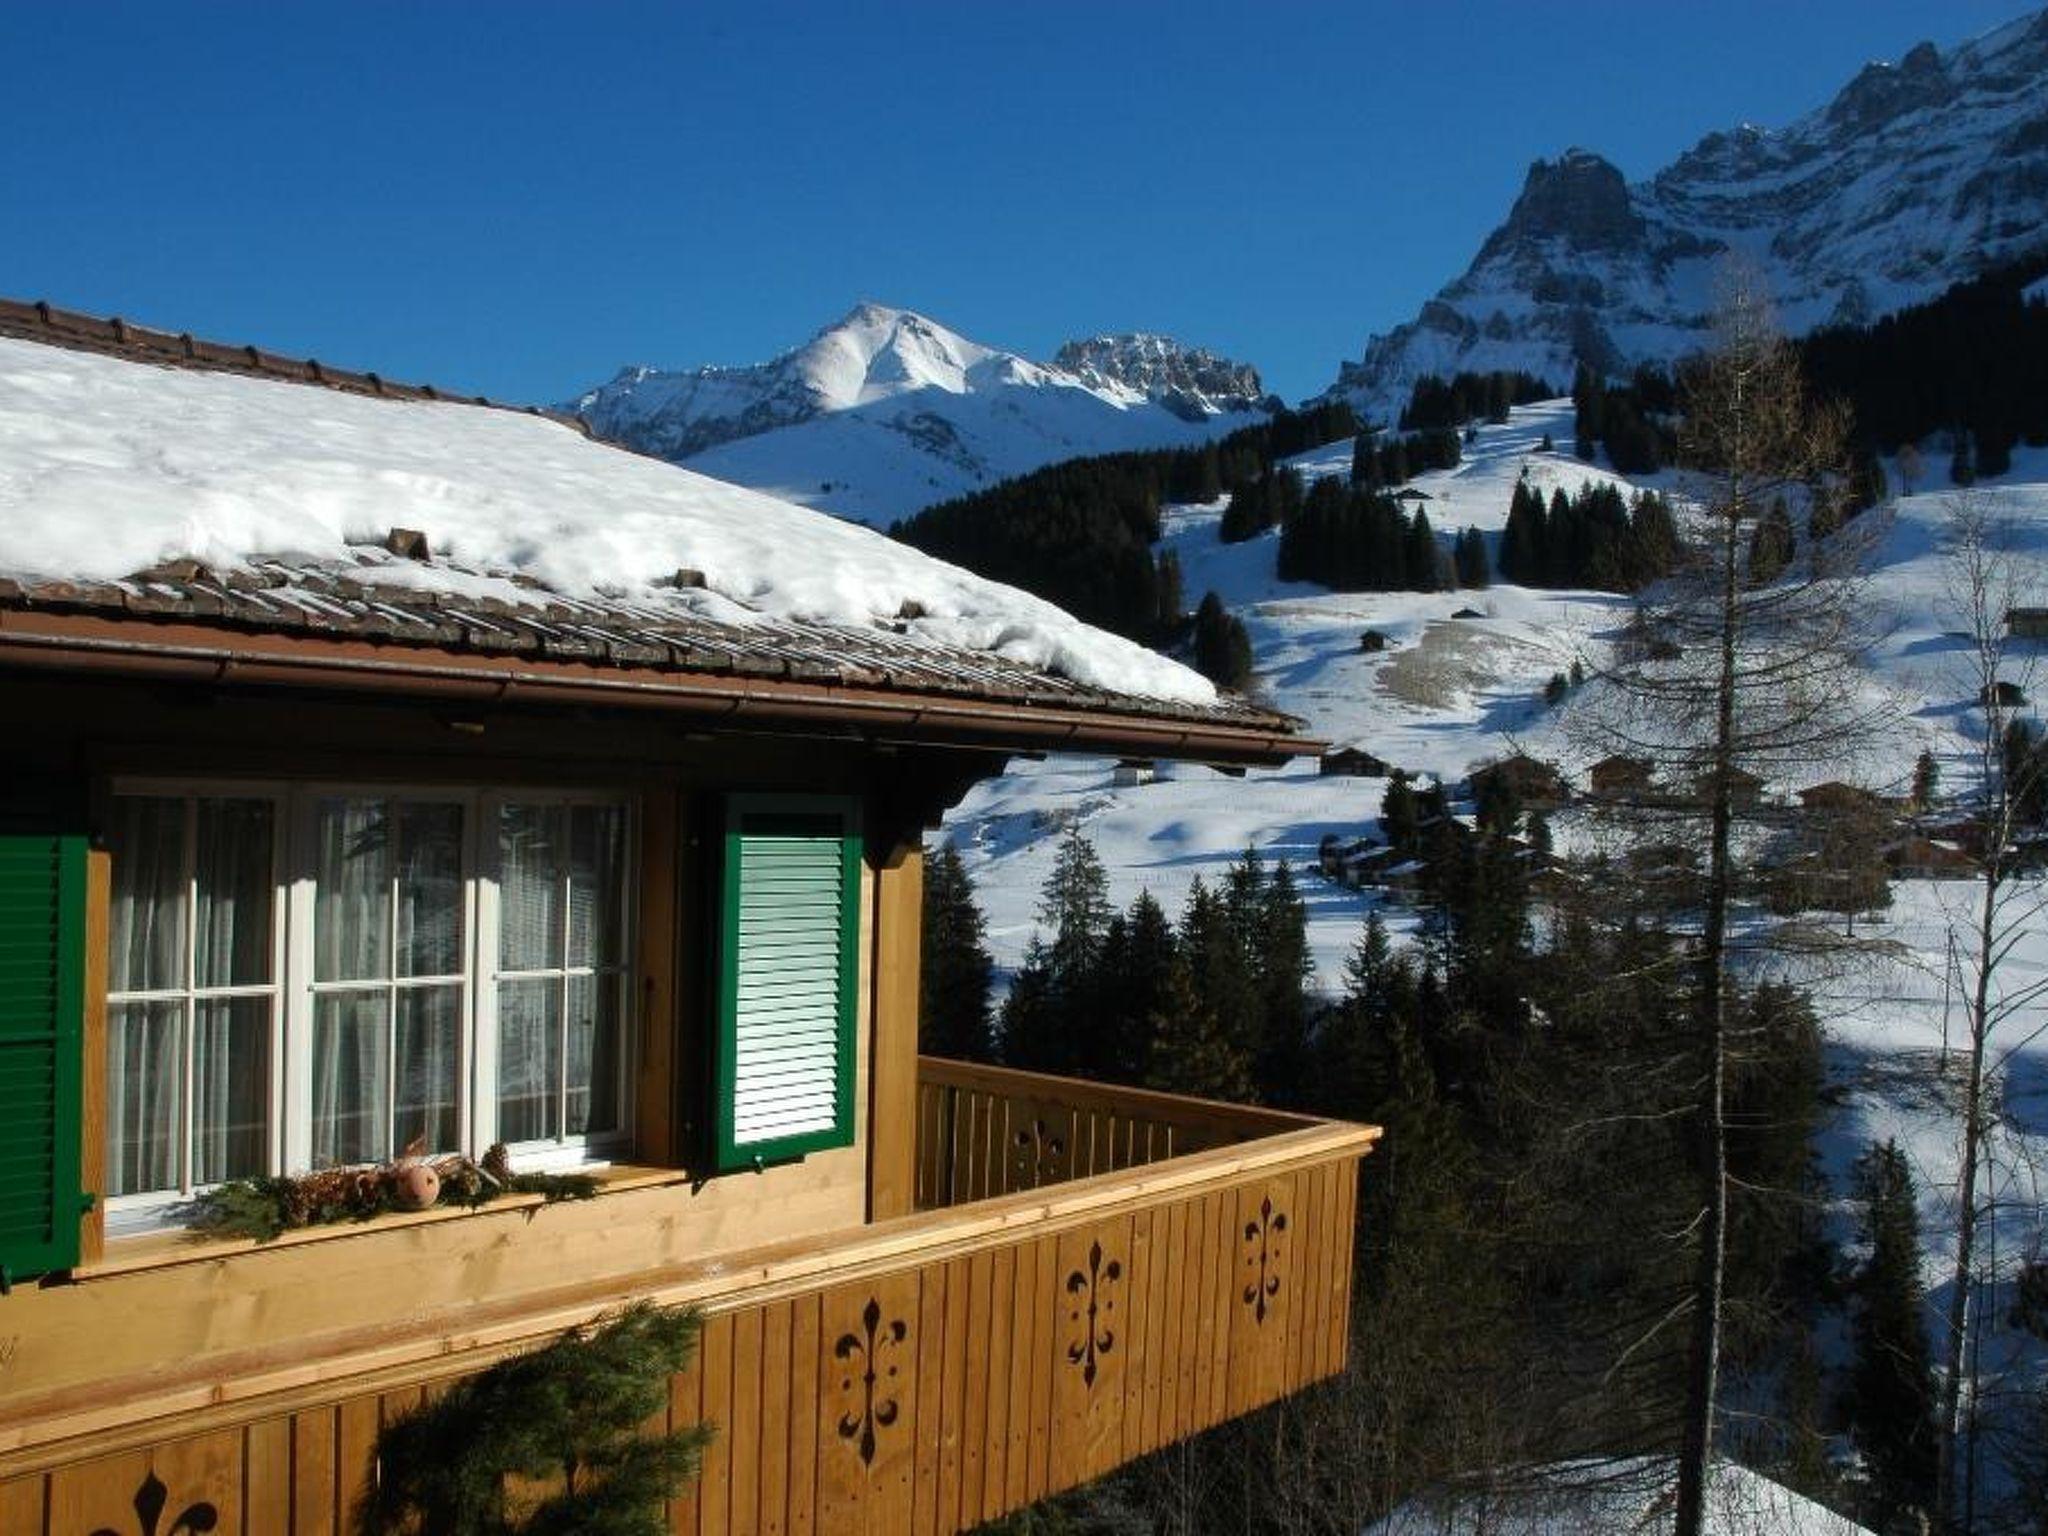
(686, 1410)
(1002, 1322)
(974, 1428)
(1137, 1322)
(355, 1454)
(1026, 1335)
(313, 1479)
(1044, 1363)
(807, 1421)
(745, 1477)
(714, 1505)
(931, 1398)
(267, 1474)
(23, 1501)
(952, 1431)
(774, 1419)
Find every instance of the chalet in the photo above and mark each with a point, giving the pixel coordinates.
(1620, 777)
(1372, 642)
(2004, 693)
(2027, 623)
(1536, 784)
(1925, 858)
(1133, 771)
(1352, 763)
(506, 843)
(1745, 789)
(1468, 613)
(1837, 796)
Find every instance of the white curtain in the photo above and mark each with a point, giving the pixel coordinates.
(233, 895)
(145, 1040)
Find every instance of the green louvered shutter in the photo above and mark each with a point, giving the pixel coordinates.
(788, 971)
(42, 1021)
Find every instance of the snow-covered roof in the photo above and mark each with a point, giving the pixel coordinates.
(244, 492)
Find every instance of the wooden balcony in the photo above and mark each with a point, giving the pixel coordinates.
(1092, 1272)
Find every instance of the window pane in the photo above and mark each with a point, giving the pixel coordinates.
(145, 1083)
(529, 1059)
(352, 911)
(230, 1089)
(594, 1054)
(350, 1070)
(429, 890)
(232, 869)
(530, 887)
(429, 1067)
(147, 921)
(597, 865)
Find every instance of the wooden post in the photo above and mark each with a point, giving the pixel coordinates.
(892, 1069)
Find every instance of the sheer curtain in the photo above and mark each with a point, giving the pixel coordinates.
(351, 943)
(530, 859)
(145, 1039)
(233, 894)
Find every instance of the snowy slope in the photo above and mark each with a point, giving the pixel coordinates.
(886, 411)
(1628, 1498)
(1450, 693)
(108, 466)
(1917, 175)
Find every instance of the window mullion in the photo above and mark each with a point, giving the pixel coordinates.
(189, 1009)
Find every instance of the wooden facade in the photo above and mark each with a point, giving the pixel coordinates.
(1005, 1286)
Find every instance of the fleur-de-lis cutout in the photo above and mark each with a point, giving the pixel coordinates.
(863, 1358)
(151, 1498)
(1263, 1248)
(1040, 1154)
(1097, 1337)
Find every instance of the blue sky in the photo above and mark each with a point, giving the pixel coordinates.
(516, 198)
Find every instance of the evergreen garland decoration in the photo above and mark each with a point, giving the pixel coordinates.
(571, 1417)
(263, 1208)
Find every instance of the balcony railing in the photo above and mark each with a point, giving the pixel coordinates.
(1093, 1273)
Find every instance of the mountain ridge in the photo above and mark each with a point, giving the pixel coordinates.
(886, 410)
(1915, 175)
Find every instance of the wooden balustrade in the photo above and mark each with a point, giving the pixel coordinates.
(985, 1131)
(1172, 1265)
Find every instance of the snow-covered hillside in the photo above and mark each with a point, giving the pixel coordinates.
(1448, 693)
(886, 411)
(1916, 176)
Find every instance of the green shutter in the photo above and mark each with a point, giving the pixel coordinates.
(789, 966)
(42, 1022)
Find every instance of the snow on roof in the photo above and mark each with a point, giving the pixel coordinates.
(110, 466)
(1624, 1498)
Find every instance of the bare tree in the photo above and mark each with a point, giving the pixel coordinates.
(1987, 579)
(1748, 679)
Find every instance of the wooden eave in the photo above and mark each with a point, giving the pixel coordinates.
(94, 644)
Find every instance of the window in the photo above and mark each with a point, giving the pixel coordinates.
(788, 976)
(321, 977)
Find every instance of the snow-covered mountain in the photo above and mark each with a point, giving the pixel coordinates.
(887, 411)
(1916, 176)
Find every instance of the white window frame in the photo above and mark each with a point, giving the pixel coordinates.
(294, 860)
(148, 1207)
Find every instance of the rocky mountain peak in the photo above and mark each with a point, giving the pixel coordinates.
(1917, 175)
(1579, 199)
(1162, 369)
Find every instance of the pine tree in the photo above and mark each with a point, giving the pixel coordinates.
(953, 1015)
(1926, 780)
(1052, 1001)
(574, 1410)
(1138, 958)
(1223, 648)
(1195, 1046)
(1400, 816)
(1282, 967)
(1171, 596)
(1962, 464)
(1770, 544)
(1892, 1379)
